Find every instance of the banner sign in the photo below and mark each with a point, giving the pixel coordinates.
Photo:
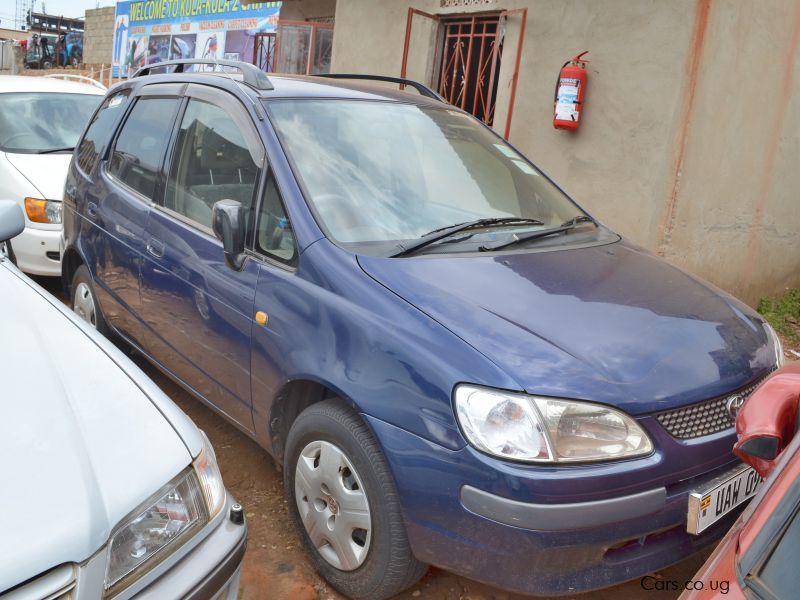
(151, 31)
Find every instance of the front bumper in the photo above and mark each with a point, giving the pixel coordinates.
(507, 527)
(37, 251)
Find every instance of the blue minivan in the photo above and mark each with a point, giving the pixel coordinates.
(454, 364)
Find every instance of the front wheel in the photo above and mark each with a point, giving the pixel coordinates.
(345, 506)
(84, 300)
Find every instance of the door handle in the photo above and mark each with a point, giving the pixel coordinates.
(91, 210)
(155, 247)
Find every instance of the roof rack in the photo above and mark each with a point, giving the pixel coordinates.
(253, 76)
(81, 78)
(424, 90)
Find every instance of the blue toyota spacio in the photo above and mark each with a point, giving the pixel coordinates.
(452, 361)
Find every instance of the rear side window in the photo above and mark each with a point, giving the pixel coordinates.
(211, 163)
(99, 130)
(137, 155)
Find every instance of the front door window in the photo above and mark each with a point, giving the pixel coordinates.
(212, 162)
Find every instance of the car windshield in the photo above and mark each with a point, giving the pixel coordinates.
(36, 122)
(381, 173)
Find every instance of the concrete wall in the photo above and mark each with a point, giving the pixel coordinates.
(303, 10)
(690, 140)
(13, 34)
(98, 37)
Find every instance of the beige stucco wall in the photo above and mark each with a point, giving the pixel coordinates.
(691, 134)
(98, 36)
(302, 10)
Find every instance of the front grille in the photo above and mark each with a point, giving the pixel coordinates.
(703, 418)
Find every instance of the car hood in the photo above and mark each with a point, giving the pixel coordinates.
(610, 323)
(46, 172)
(83, 445)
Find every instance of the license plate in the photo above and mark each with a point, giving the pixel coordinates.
(721, 496)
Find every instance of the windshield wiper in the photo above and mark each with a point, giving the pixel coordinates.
(443, 232)
(535, 235)
(579, 219)
(54, 150)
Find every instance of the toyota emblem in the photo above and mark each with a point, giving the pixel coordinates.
(733, 404)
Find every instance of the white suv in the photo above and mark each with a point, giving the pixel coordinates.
(41, 119)
(109, 490)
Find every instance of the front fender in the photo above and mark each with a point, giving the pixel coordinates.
(332, 324)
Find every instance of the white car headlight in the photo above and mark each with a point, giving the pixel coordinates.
(534, 429)
(165, 521)
(780, 359)
(156, 530)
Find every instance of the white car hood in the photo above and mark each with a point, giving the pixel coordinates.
(46, 172)
(82, 445)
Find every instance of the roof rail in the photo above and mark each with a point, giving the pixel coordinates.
(424, 90)
(81, 78)
(253, 76)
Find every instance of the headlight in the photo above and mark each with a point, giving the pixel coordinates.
(534, 429)
(780, 359)
(155, 531)
(43, 211)
(165, 521)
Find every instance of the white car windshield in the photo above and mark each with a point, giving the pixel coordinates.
(38, 122)
(376, 173)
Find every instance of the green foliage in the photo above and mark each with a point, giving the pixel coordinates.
(783, 313)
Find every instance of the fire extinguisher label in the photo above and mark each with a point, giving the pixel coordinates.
(566, 112)
(567, 99)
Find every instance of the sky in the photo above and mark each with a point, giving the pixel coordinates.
(68, 8)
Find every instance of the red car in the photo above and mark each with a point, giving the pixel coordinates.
(760, 556)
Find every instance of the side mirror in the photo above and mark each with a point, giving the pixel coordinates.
(12, 221)
(768, 420)
(227, 218)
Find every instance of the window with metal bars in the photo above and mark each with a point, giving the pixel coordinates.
(470, 62)
(264, 51)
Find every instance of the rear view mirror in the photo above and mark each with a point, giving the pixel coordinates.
(768, 420)
(227, 218)
(12, 221)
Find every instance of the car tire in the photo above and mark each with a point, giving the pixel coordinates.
(84, 300)
(332, 466)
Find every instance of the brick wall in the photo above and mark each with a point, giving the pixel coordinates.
(98, 38)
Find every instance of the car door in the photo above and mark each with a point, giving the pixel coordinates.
(117, 203)
(198, 309)
(281, 297)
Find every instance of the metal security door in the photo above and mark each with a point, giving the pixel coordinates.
(264, 52)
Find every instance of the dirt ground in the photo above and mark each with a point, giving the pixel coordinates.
(275, 567)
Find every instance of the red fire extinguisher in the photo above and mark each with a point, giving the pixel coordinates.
(570, 89)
